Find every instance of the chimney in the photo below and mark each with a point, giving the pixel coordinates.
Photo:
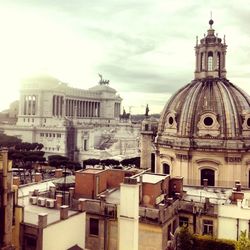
(82, 206)
(64, 212)
(71, 195)
(58, 173)
(16, 181)
(38, 177)
(52, 192)
(42, 220)
(58, 200)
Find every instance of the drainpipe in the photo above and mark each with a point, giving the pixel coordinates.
(237, 225)
(105, 232)
(248, 228)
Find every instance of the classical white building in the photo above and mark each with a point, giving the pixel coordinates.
(74, 122)
(204, 128)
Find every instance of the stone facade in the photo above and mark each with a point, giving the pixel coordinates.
(78, 123)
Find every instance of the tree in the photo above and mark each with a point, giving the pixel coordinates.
(91, 162)
(24, 155)
(184, 239)
(8, 141)
(131, 161)
(57, 160)
(243, 243)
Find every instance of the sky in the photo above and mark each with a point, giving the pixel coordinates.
(144, 47)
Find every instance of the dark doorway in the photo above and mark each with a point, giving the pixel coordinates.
(165, 168)
(209, 175)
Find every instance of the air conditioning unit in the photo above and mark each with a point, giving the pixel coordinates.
(41, 201)
(50, 203)
(33, 200)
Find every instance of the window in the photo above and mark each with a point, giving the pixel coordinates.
(58, 135)
(165, 168)
(210, 61)
(42, 134)
(46, 134)
(169, 232)
(208, 227)
(85, 145)
(183, 221)
(208, 121)
(93, 226)
(209, 175)
(30, 242)
(146, 127)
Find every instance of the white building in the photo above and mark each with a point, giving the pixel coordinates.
(234, 218)
(73, 122)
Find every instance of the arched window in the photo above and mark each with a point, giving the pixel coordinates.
(209, 175)
(165, 168)
(210, 61)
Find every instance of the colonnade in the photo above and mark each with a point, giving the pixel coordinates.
(29, 105)
(82, 108)
(57, 109)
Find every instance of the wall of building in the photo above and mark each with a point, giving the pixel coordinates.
(65, 234)
(228, 167)
(16, 228)
(150, 236)
(232, 219)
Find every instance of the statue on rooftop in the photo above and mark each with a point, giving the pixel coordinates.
(102, 81)
(147, 110)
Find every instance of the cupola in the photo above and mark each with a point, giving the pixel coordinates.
(210, 55)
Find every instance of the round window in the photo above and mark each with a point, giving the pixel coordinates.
(248, 122)
(208, 121)
(170, 120)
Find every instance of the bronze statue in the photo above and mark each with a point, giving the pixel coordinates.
(102, 81)
(147, 110)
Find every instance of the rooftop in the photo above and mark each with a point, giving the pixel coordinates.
(152, 178)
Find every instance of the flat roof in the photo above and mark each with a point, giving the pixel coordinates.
(31, 213)
(92, 171)
(152, 178)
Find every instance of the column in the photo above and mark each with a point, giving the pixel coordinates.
(99, 109)
(87, 109)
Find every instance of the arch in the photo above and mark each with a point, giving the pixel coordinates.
(165, 168)
(209, 174)
(210, 61)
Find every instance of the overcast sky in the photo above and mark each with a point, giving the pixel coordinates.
(144, 47)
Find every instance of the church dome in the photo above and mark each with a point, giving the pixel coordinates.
(208, 107)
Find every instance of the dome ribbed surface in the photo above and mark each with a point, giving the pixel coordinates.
(216, 95)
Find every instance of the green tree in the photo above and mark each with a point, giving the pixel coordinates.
(243, 243)
(184, 239)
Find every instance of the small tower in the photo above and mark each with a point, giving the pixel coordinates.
(148, 133)
(210, 56)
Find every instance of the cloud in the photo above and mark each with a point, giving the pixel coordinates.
(144, 47)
